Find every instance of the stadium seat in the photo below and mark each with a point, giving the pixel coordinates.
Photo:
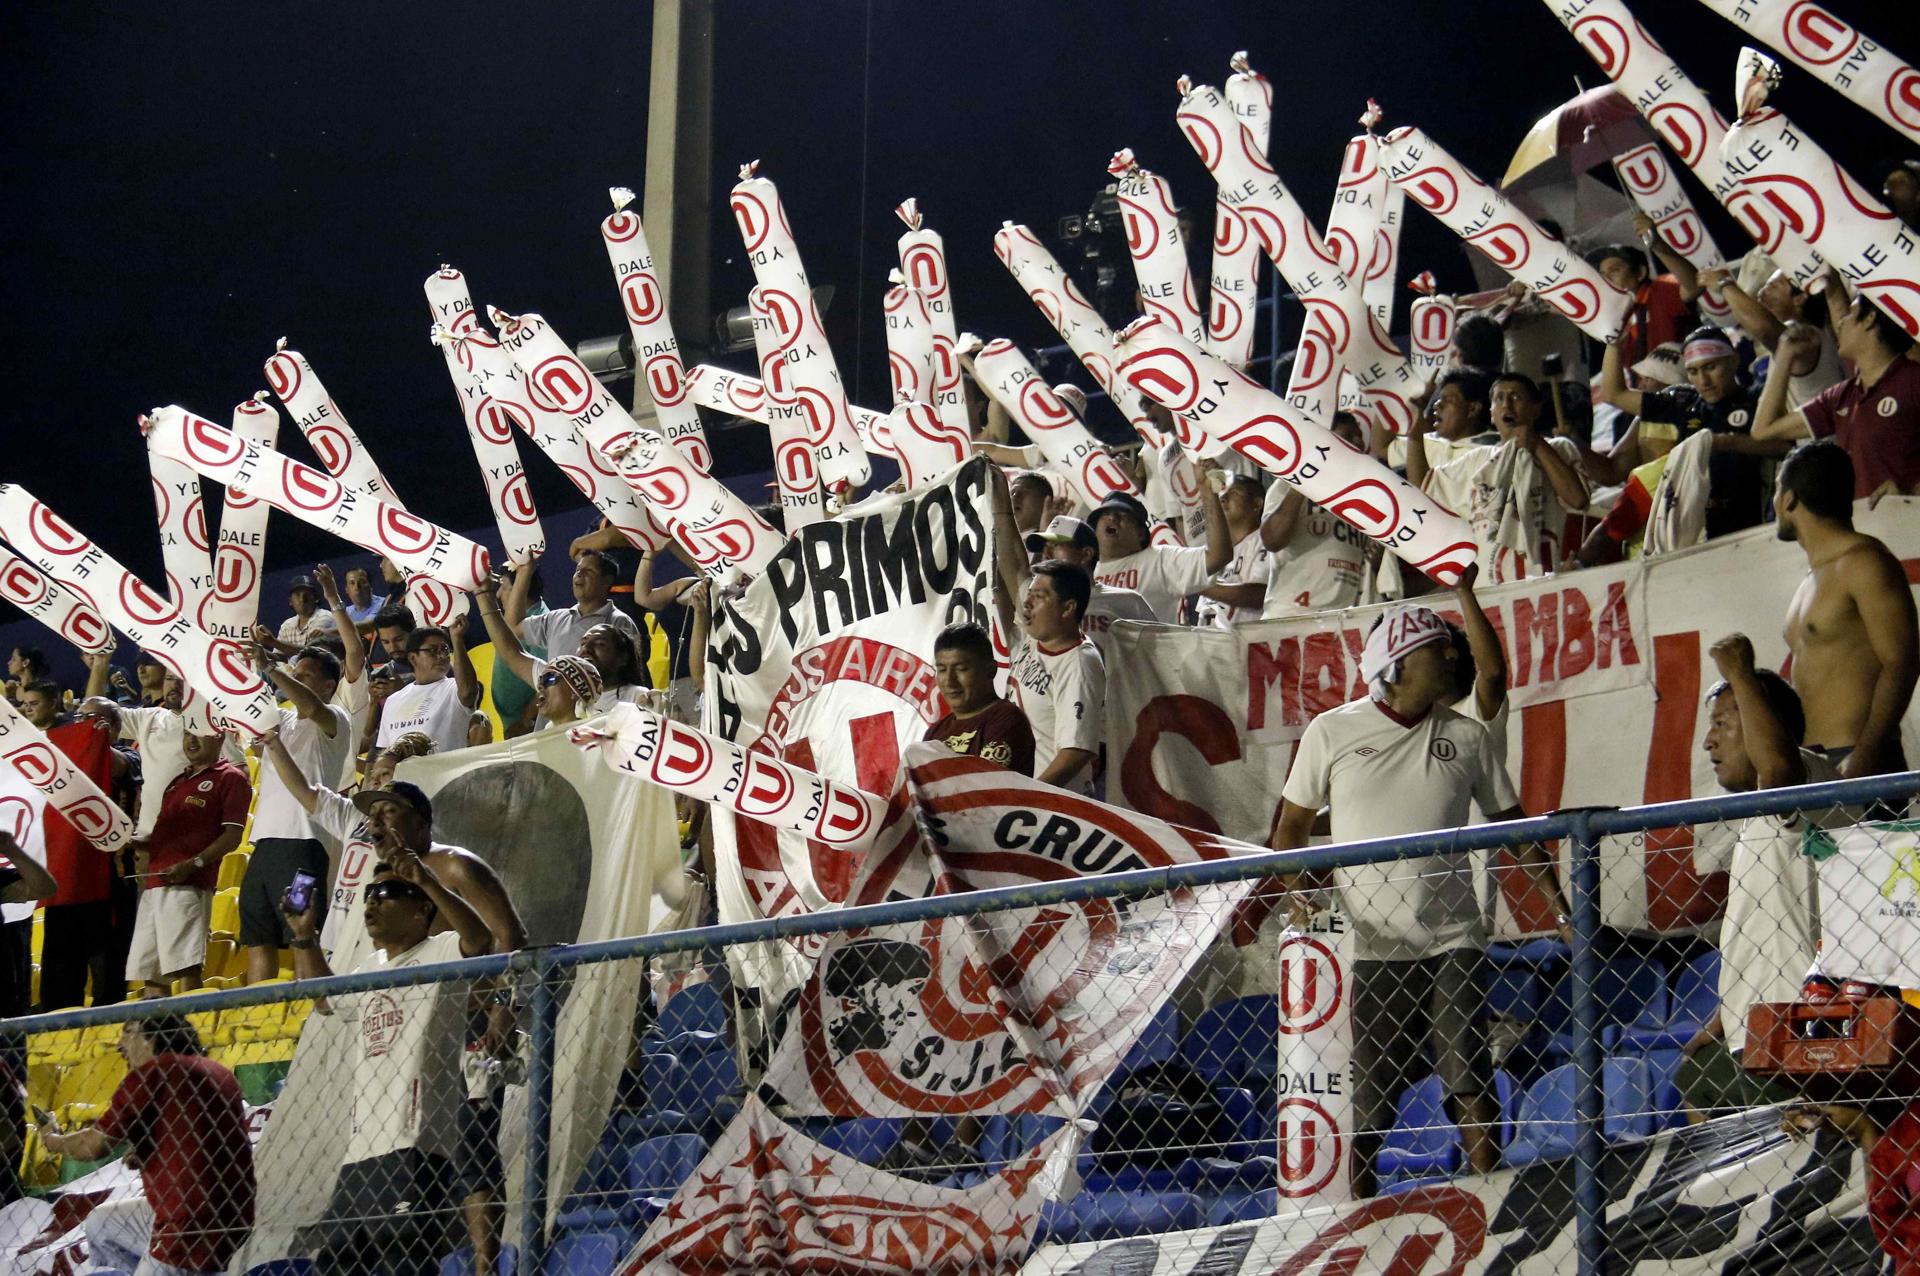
(1696, 1001)
(1663, 1072)
(865, 1139)
(698, 1079)
(1547, 1110)
(283, 1267)
(1003, 1138)
(460, 1262)
(1425, 1142)
(219, 955)
(224, 923)
(1243, 1207)
(600, 1198)
(233, 868)
(90, 1082)
(1254, 1122)
(696, 1008)
(585, 1253)
(1515, 992)
(1094, 1216)
(1235, 1042)
(1626, 989)
(1157, 1044)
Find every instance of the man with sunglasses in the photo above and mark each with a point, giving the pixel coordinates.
(415, 1159)
(444, 693)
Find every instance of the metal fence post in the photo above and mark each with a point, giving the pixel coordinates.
(546, 1019)
(1589, 1192)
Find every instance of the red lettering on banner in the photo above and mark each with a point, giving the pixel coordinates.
(1678, 895)
(1614, 633)
(1543, 777)
(1323, 673)
(1529, 625)
(1204, 726)
(1265, 667)
(1576, 633)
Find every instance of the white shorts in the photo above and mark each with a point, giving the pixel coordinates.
(169, 932)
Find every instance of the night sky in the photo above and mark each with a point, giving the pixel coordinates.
(189, 183)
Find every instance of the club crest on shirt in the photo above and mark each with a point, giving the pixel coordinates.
(1443, 749)
(1887, 406)
(1000, 752)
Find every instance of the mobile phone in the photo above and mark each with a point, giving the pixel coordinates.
(1552, 365)
(300, 894)
(43, 1118)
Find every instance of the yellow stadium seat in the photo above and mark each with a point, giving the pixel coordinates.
(225, 922)
(61, 1047)
(39, 933)
(92, 1081)
(233, 867)
(252, 1023)
(219, 952)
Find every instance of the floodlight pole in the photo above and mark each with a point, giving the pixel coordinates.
(677, 199)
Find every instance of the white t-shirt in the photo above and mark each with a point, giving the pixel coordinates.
(276, 813)
(1162, 574)
(1250, 565)
(1770, 932)
(1384, 777)
(432, 707)
(1064, 695)
(160, 735)
(343, 936)
(1516, 517)
(407, 1082)
(298, 633)
(1321, 567)
(1108, 605)
(356, 698)
(1439, 450)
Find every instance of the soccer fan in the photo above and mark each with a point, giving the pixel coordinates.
(1419, 938)
(1163, 574)
(1057, 678)
(24, 882)
(1517, 494)
(318, 737)
(416, 1152)
(1069, 540)
(978, 721)
(1661, 310)
(613, 651)
(1874, 414)
(1239, 590)
(151, 677)
(567, 686)
(181, 1118)
(78, 922)
(1766, 316)
(1770, 930)
(559, 632)
(201, 816)
(392, 625)
(1851, 624)
(1317, 561)
(25, 665)
(353, 692)
(306, 623)
(1479, 345)
(443, 692)
(362, 605)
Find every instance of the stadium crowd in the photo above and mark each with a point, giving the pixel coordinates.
(1689, 431)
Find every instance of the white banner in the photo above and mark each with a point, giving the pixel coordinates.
(1871, 75)
(489, 423)
(1028, 1010)
(33, 757)
(240, 554)
(1605, 663)
(826, 662)
(53, 604)
(212, 670)
(1870, 903)
(656, 351)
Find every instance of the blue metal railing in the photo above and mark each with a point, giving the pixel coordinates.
(1583, 829)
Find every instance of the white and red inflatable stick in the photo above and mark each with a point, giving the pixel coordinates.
(1235, 289)
(1159, 252)
(1828, 49)
(291, 378)
(1363, 227)
(718, 529)
(1340, 334)
(185, 553)
(1649, 182)
(597, 478)
(219, 678)
(640, 743)
(1430, 326)
(53, 604)
(910, 360)
(1265, 429)
(1488, 221)
(923, 267)
(377, 526)
(814, 377)
(1680, 113)
(1855, 232)
(70, 791)
(490, 423)
(743, 395)
(925, 444)
(1003, 371)
(656, 351)
(1055, 295)
(240, 553)
(796, 468)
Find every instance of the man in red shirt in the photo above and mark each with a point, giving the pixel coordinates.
(180, 1117)
(201, 815)
(979, 721)
(1874, 414)
(1661, 312)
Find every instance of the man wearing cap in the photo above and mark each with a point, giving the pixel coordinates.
(308, 621)
(1069, 540)
(1316, 561)
(1401, 761)
(1163, 574)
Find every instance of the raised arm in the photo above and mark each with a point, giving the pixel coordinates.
(1679, 267)
(1418, 469)
(480, 891)
(1219, 538)
(513, 605)
(353, 651)
(1011, 568)
(465, 681)
(305, 704)
(1489, 661)
(1613, 382)
(475, 939)
(1277, 528)
(1754, 319)
(672, 592)
(289, 772)
(1878, 586)
(1771, 419)
(700, 603)
(506, 643)
(1775, 754)
(99, 669)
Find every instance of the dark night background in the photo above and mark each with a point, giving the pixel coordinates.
(191, 182)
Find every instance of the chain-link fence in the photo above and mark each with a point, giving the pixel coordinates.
(1169, 1070)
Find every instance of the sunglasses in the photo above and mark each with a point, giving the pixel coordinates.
(548, 678)
(392, 890)
(433, 649)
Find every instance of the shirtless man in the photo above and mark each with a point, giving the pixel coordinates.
(1851, 625)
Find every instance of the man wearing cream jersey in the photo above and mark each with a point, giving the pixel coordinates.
(1057, 677)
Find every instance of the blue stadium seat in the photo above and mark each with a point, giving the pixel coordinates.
(460, 1262)
(694, 1079)
(655, 1171)
(1424, 1140)
(283, 1267)
(1531, 952)
(1627, 990)
(695, 1008)
(1235, 1042)
(1239, 1207)
(586, 1253)
(599, 1199)
(1663, 1073)
(865, 1139)
(1515, 992)
(1547, 1115)
(1093, 1216)
(1002, 1138)
(1157, 1044)
(1696, 1002)
(1254, 1122)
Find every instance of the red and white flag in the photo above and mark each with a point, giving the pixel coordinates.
(769, 1199)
